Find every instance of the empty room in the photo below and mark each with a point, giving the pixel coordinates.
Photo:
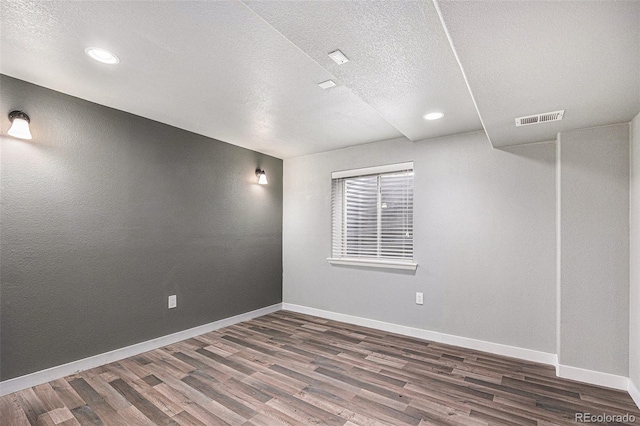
(248, 212)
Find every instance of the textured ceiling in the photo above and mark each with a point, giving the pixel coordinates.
(246, 72)
(214, 68)
(401, 62)
(528, 57)
(223, 70)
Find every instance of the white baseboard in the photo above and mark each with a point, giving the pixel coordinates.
(573, 373)
(634, 391)
(593, 377)
(465, 342)
(563, 371)
(44, 376)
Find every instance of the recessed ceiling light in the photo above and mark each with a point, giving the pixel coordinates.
(433, 116)
(102, 55)
(327, 84)
(338, 57)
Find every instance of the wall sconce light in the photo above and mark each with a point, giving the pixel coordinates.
(262, 177)
(19, 125)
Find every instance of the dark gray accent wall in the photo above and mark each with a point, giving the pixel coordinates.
(105, 214)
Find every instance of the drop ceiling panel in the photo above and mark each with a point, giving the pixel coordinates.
(524, 58)
(400, 61)
(214, 68)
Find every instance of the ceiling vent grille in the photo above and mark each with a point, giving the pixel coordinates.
(539, 118)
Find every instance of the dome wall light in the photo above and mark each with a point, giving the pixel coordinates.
(262, 177)
(433, 116)
(19, 125)
(102, 55)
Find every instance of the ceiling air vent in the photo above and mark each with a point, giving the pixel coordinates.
(540, 118)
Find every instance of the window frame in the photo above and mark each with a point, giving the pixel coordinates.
(373, 262)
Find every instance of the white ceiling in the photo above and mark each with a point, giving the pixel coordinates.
(247, 72)
(528, 57)
(401, 62)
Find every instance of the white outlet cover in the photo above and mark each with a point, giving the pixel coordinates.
(173, 301)
(419, 299)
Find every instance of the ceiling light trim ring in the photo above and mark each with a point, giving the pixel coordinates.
(102, 55)
(436, 115)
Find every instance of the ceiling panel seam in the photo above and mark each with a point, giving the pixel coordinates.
(464, 74)
(318, 64)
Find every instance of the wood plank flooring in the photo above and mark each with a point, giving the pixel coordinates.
(291, 369)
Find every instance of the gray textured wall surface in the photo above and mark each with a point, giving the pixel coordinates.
(105, 214)
(594, 251)
(484, 238)
(634, 259)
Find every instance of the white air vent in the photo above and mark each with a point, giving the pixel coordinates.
(540, 118)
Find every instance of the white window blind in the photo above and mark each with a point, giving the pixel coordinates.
(372, 214)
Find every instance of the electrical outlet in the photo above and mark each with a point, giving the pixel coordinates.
(419, 299)
(173, 301)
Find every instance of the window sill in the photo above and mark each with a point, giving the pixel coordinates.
(373, 263)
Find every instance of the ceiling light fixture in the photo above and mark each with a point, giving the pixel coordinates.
(19, 125)
(338, 57)
(327, 84)
(102, 55)
(262, 177)
(433, 116)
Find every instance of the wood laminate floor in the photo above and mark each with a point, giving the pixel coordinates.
(291, 369)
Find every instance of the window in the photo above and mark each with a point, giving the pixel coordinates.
(372, 217)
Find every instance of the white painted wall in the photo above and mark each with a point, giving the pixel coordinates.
(594, 250)
(634, 222)
(484, 240)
